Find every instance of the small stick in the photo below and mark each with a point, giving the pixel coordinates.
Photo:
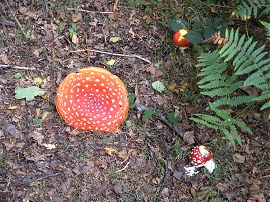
(19, 24)
(17, 67)
(87, 11)
(38, 179)
(118, 171)
(115, 5)
(266, 176)
(115, 54)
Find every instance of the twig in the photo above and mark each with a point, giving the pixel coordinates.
(87, 11)
(38, 179)
(115, 5)
(141, 109)
(17, 67)
(19, 24)
(115, 54)
(171, 127)
(164, 178)
(118, 171)
(266, 176)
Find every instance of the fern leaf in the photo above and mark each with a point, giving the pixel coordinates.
(250, 8)
(242, 125)
(223, 91)
(236, 134)
(205, 123)
(258, 64)
(228, 136)
(264, 96)
(210, 118)
(247, 59)
(267, 27)
(257, 79)
(266, 105)
(232, 101)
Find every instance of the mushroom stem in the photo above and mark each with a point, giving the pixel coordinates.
(210, 165)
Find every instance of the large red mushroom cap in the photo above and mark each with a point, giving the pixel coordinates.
(92, 99)
(202, 156)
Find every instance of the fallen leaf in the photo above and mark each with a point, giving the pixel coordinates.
(115, 39)
(154, 71)
(12, 130)
(57, 199)
(119, 188)
(165, 191)
(77, 17)
(158, 86)
(36, 53)
(4, 59)
(100, 163)
(189, 137)
(110, 150)
(37, 80)
(29, 93)
(18, 75)
(239, 158)
(36, 136)
(111, 62)
(38, 110)
(49, 146)
(12, 107)
(45, 114)
(122, 154)
(258, 197)
(184, 87)
(75, 38)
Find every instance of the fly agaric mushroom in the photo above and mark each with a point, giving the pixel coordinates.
(92, 99)
(200, 156)
(179, 40)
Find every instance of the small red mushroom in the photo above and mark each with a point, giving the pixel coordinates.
(202, 156)
(92, 99)
(179, 39)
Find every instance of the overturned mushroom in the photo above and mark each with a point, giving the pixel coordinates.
(92, 99)
(200, 156)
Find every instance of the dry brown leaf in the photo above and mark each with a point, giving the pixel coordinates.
(49, 146)
(189, 137)
(257, 198)
(119, 188)
(239, 158)
(122, 154)
(110, 150)
(4, 58)
(77, 17)
(36, 136)
(100, 163)
(75, 39)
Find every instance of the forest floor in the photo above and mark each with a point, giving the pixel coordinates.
(44, 159)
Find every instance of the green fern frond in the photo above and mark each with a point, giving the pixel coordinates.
(204, 123)
(267, 27)
(238, 63)
(250, 8)
(224, 123)
(228, 136)
(223, 91)
(265, 96)
(247, 59)
(233, 101)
